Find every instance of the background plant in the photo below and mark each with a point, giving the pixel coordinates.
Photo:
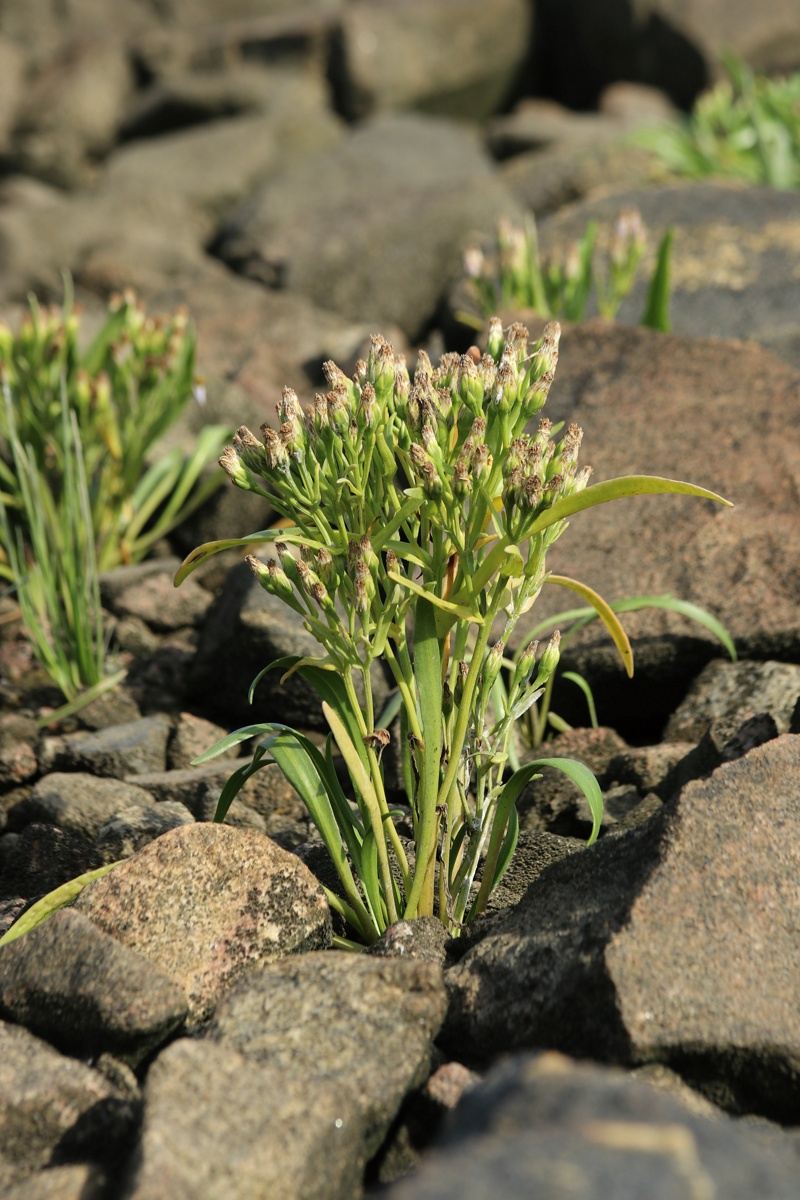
(512, 273)
(420, 515)
(746, 127)
(126, 389)
(77, 491)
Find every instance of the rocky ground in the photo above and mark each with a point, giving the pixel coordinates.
(625, 1021)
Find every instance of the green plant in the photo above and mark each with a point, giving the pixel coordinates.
(53, 563)
(77, 495)
(746, 127)
(420, 514)
(126, 390)
(513, 275)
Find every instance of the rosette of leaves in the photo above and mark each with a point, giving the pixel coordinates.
(417, 516)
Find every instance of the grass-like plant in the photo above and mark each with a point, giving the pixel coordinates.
(513, 275)
(745, 127)
(126, 389)
(418, 516)
(78, 492)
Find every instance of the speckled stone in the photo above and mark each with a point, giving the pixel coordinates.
(207, 903)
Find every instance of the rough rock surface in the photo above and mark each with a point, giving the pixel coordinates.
(289, 1102)
(206, 903)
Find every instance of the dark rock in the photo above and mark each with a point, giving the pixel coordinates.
(729, 240)
(76, 802)
(286, 1083)
(207, 903)
(132, 748)
(79, 989)
(162, 607)
(18, 738)
(43, 857)
(733, 692)
(53, 1108)
(191, 737)
(423, 939)
(546, 1126)
(678, 946)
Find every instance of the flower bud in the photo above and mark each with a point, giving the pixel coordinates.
(549, 660)
(482, 461)
(524, 665)
(235, 469)
(494, 338)
(461, 678)
(276, 456)
(491, 664)
(272, 577)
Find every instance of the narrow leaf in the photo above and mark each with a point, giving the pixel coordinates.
(604, 612)
(617, 489)
(52, 902)
(656, 310)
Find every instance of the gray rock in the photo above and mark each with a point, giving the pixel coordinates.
(77, 802)
(422, 939)
(78, 988)
(207, 903)
(553, 803)
(54, 1108)
(424, 186)
(458, 58)
(163, 607)
(130, 831)
(197, 789)
(545, 1126)
(131, 748)
(42, 857)
(285, 1082)
(18, 738)
(727, 693)
(678, 946)
(729, 241)
(12, 70)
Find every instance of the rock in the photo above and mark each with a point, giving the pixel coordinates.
(453, 57)
(132, 748)
(729, 693)
(211, 166)
(285, 1081)
(422, 939)
(535, 852)
(163, 607)
(542, 1125)
(70, 111)
(248, 629)
(18, 738)
(43, 857)
(554, 803)
(728, 240)
(73, 985)
(76, 802)
(738, 564)
(53, 1108)
(79, 1181)
(207, 903)
(678, 946)
(191, 737)
(197, 790)
(425, 185)
(122, 835)
(12, 68)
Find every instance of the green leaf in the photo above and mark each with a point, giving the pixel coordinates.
(656, 309)
(428, 673)
(508, 847)
(618, 489)
(584, 778)
(52, 902)
(604, 612)
(579, 680)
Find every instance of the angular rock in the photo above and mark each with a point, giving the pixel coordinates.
(545, 1126)
(77, 802)
(122, 835)
(655, 404)
(54, 1108)
(424, 186)
(162, 606)
(206, 903)
(286, 1085)
(729, 241)
(676, 943)
(192, 736)
(76, 987)
(458, 58)
(727, 693)
(18, 738)
(131, 748)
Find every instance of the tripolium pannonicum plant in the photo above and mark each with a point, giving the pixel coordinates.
(418, 512)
